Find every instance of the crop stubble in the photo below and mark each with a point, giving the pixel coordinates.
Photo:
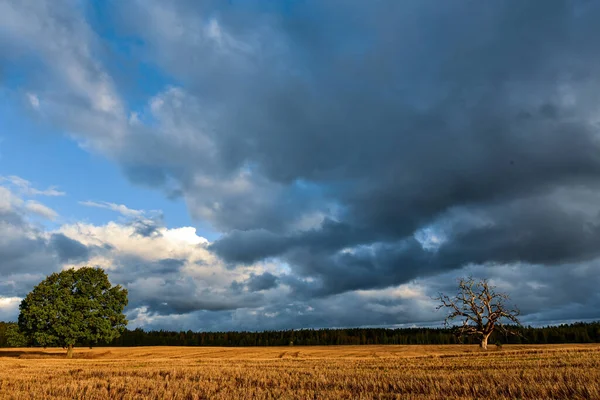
(334, 372)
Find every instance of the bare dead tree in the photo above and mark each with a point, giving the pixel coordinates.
(480, 308)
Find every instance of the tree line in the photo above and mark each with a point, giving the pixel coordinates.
(566, 333)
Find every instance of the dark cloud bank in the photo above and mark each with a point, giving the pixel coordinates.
(419, 137)
(475, 120)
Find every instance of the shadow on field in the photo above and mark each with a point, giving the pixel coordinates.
(50, 354)
(32, 354)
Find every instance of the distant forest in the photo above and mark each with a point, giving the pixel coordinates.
(572, 333)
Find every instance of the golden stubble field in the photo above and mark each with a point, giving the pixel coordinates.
(332, 372)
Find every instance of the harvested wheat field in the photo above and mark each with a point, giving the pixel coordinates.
(348, 372)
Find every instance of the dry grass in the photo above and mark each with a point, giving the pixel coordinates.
(348, 372)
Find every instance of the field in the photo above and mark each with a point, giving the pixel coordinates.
(348, 372)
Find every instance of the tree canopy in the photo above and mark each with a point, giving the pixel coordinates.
(73, 306)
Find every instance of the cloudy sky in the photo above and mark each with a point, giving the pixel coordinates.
(296, 163)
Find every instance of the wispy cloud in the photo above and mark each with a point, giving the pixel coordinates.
(33, 100)
(120, 208)
(41, 210)
(26, 188)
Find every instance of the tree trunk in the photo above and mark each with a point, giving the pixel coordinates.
(70, 351)
(484, 341)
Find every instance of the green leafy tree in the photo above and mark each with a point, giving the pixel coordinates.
(14, 337)
(73, 307)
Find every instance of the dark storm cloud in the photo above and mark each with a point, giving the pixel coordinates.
(166, 296)
(26, 255)
(253, 245)
(265, 281)
(544, 229)
(132, 268)
(445, 113)
(366, 145)
(171, 264)
(249, 246)
(539, 230)
(544, 295)
(67, 249)
(23, 249)
(12, 217)
(387, 118)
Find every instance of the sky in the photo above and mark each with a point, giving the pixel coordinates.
(257, 165)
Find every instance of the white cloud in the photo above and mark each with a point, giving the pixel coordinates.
(82, 97)
(33, 100)
(9, 302)
(8, 201)
(184, 235)
(430, 238)
(171, 272)
(26, 188)
(9, 308)
(134, 118)
(213, 31)
(51, 191)
(41, 210)
(180, 243)
(404, 291)
(312, 220)
(167, 273)
(120, 208)
(173, 279)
